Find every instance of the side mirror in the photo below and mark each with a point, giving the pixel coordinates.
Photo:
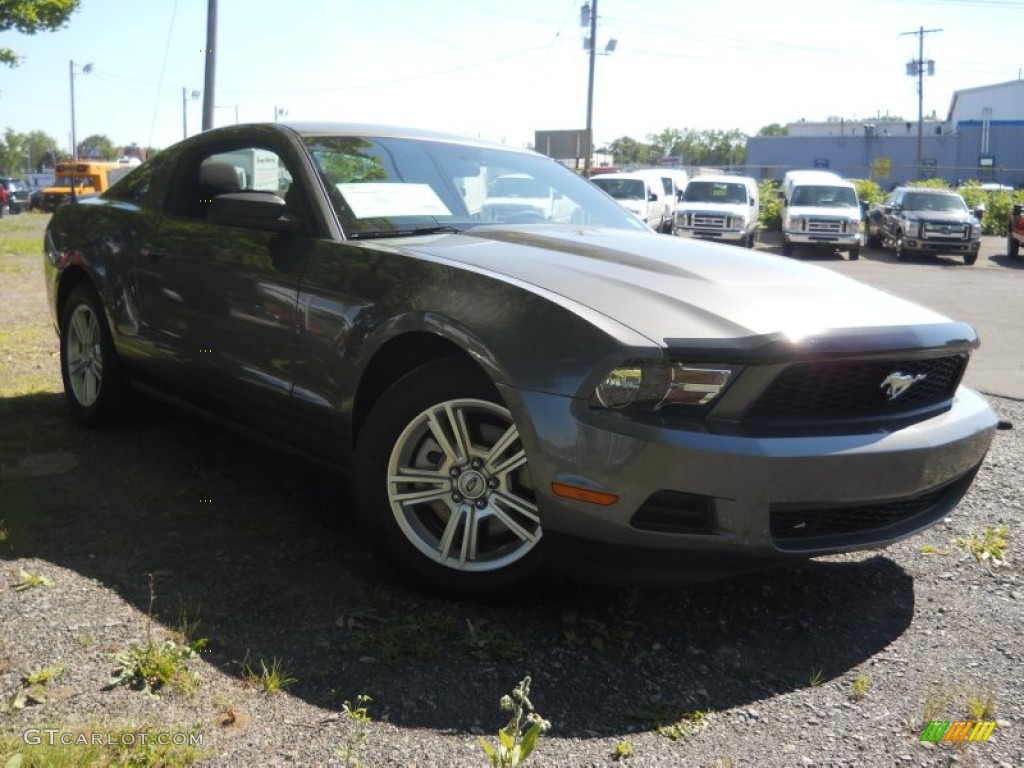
(652, 197)
(252, 210)
(679, 195)
(1017, 209)
(888, 209)
(979, 212)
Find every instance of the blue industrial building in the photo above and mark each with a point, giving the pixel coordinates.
(981, 138)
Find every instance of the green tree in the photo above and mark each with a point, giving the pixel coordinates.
(31, 16)
(98, 147)
(628, 150)
(19, 151)
(773, 129)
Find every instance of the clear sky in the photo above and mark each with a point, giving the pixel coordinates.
(501, 69)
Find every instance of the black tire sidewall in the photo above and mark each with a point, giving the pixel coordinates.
(435, 382)
(109, 405)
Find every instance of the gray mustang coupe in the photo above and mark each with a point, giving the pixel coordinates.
(509, 393)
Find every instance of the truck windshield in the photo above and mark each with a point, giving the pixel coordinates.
(714, 192)
(622, 189)
(824, 196)
(946, 203)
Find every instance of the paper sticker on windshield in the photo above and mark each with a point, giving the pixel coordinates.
(369, 200)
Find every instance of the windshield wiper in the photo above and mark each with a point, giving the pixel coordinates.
(434, 230)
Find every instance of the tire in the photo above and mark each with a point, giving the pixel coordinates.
(873, 240)
(897, 247)
(94, 381)
(749, 241)
(854, 253)
(1012, 246)
(787, 248)
(970, 259)
(473, 527)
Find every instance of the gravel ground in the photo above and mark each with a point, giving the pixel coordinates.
(840, 661)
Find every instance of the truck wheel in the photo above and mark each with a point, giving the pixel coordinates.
(873, 240)
(970, 258)
(854, 253)
(1012, 246)
(787, 248)
(898, 250)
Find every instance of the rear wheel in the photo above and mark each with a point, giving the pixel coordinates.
(444, 486)
(873, 240)
(787, 248)
(1012, 246)
(94, 383)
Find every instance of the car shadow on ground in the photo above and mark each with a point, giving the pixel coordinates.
(261, 546)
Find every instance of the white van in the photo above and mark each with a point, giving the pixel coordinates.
(639, 194)
(664, 183)
(719, 207)
(820, 210)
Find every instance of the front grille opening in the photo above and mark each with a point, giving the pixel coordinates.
(855, 389)
(792, 525)
(676, 512)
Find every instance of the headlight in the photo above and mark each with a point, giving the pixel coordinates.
(793, 224)
(650, 385)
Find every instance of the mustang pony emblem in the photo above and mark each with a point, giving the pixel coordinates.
(897, 383)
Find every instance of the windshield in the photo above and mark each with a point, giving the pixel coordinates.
(622, 189)
(916, 201)
(715, 192)
(824, 196)
(382, 187)
(66, 181)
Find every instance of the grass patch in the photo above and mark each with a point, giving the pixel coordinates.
(989, 547)
(673, 721)
(272, 679)
(859, 687)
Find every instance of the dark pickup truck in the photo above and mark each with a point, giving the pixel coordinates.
(925, 220)
(1015, 231)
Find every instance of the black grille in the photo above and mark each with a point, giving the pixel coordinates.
(791, 525)
(847, 389)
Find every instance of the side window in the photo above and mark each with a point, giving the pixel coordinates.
(142, 187)
(245, 169)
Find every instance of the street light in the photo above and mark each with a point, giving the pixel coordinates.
(184, 110)
(74, 145)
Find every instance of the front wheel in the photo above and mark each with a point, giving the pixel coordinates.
(443, 483)
(1012, 246)
(898, 249)
(970, 259)
(787, 248)
(94, 383)
(854, 253)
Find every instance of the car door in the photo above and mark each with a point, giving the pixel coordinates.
(219, 302)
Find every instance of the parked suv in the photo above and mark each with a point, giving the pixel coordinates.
(925, 220)
(719, 208)
(1015, 232)
(17, 196)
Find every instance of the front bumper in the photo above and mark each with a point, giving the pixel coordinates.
(942, 246)
(730, 235)
(746, 499)
(834, 240)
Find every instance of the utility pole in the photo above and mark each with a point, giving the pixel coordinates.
(588, 154)
(211, 64)
(917, 67)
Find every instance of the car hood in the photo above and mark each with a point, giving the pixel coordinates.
(673, 288)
